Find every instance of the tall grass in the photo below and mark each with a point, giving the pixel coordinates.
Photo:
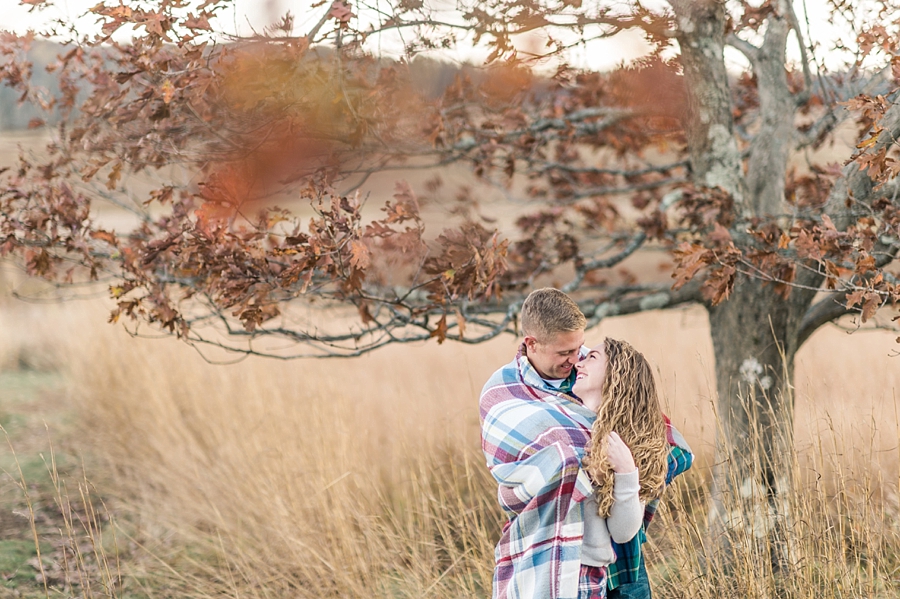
(834, 537)
(343, 479)
(364, 478)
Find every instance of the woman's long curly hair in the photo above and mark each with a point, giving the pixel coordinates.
(630, 407)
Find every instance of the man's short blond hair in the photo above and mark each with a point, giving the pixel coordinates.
(549, 311)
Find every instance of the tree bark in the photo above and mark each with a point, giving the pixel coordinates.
(755, 336)
(771, 146)
(715, 159)
(755, 332)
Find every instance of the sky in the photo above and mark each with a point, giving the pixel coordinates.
(247, 15)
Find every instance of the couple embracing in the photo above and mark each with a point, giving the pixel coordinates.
(581, 451)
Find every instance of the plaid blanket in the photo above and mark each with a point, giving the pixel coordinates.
(533, 437)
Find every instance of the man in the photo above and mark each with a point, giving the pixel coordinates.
(534, 431)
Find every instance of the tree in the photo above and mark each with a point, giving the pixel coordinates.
(673, 153)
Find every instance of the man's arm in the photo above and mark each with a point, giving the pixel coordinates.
(552, 471)
(533, 451)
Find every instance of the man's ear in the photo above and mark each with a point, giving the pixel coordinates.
(530, 342)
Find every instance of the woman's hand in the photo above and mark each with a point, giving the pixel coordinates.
(619, 455)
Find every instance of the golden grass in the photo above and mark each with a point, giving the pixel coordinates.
(363, 477)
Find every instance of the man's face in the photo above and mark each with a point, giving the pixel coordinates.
(555, 356)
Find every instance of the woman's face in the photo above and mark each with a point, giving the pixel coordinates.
(591, 372)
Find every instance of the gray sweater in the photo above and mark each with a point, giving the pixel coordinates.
(624, 521)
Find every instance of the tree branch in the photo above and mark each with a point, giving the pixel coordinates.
(804, 95)
(835, 306)
(823, 125)
(856, 183)
(611, 116)
(664, 297)
(821, 313)
(580, 271)
(831, 119)
(592, 170)
(744, 47)
(620, 189)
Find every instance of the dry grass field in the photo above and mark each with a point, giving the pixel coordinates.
(363, 477)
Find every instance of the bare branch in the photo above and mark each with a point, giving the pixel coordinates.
(579, 119)
(591, 170)
(592, 192)
(825, 311)
(662, 297)
(744, 47)
(804, 95)
(583, 269)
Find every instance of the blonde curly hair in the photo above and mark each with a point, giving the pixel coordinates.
(630, 407)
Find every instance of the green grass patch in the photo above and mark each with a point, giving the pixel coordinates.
(15, 569)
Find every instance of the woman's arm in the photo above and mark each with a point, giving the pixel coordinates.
(627, 513)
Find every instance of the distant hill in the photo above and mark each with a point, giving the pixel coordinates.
(429, 75)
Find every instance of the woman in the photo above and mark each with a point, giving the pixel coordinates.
(627, 458)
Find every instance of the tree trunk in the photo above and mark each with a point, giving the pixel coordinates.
(715, 158)
(755, 338)
(755, 332)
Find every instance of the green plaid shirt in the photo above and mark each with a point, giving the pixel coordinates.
(628, 555)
